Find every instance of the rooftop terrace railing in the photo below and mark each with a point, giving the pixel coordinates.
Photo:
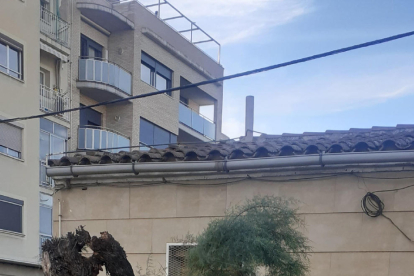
(193, 27)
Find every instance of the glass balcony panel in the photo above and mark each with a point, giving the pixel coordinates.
(90, 138)
(98, 70)
(185, 115)
(82, 69)
(209, 129)
(89, 141)
(116, 74)
(89, 69)
(111, 74)
(110, 140)
(81, 140)
(115, 143)
(105, 73)
(104, 136)
(125, 81)
(96, 138)
(123, 142)
(197, 122)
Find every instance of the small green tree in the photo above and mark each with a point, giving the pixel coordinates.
(262, 233)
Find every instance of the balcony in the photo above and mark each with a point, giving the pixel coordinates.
(105, 17)
(197, 122)
(53, 101)
(54, 27)
(98, 138)
(102, 80)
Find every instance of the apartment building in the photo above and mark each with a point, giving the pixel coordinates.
(57, 54)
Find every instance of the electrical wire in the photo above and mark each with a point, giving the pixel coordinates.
(242, 74)
(373, 206)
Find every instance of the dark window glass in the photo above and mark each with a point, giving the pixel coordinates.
(173, 139)
(10, 216)
(90, 49)
(161, 137)
(151, 134)
(155, 73)
(146, 132)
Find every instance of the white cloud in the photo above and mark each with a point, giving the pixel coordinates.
(230, 21)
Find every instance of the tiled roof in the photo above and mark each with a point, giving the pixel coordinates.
(400, 137)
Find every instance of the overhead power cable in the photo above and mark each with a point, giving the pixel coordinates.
(246, 73)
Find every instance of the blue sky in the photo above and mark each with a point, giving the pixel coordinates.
(363, 88)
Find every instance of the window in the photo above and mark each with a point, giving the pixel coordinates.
(155, 74)
(11, 214)
(90, 49)
(177, 258)
(52, 140)
(46, 204)
(11, 140)
(151, 134)
(45, 218)
(11, 57)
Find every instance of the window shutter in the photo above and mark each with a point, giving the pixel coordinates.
(11, 137)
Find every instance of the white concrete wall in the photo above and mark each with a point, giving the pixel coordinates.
(19, 20)
(345, 241)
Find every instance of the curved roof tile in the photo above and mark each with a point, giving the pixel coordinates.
(353, 140)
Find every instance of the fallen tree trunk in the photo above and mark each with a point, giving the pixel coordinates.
(63, 256)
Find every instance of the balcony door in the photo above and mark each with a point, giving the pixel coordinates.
(90, 117)
(90, 49)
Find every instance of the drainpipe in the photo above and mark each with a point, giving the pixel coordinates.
(60, 220)
(322, 159)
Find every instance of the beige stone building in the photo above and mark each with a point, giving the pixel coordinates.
(58, 54)
(149, 199)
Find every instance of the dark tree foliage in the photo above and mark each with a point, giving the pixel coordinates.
(262, 233)
(62, 256)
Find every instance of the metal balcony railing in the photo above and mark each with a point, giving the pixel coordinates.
(99, 138)
(196, 121)
(54, 27)
(53, 101)
(177, 15)
(105, 72)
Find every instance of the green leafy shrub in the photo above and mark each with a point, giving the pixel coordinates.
(262, 233)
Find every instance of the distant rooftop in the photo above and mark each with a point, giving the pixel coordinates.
(165, 11)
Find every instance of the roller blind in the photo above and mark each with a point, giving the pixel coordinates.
(11, 137)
